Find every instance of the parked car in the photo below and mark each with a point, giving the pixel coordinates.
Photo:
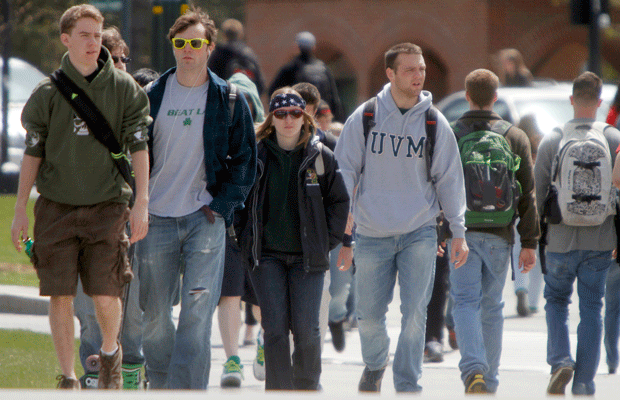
(548, 103)
(23, 78)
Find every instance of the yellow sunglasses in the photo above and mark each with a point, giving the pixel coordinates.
(196, 43)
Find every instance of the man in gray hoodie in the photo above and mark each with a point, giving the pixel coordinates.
(395, 209)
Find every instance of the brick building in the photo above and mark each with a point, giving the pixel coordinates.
(456, 36)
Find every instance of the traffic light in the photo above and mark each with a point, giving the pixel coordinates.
(581, 10)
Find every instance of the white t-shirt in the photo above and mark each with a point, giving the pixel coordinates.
(178, 184)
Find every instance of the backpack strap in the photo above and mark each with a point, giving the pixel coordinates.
(96, 122)
(319, 164)
(368, 116)
(233, 92)
(431, 136)
(501, 127)
(368, 122)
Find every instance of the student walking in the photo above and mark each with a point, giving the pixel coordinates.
(82, 211)
(574, 193)
(296, 213)
(499, 183)
(203, 166)
(399, 190)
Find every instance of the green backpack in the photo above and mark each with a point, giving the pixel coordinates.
(489, 167)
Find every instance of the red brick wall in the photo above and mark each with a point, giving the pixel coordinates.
(457, 36)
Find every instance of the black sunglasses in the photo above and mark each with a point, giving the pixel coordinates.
(124, 60)
(281, 114)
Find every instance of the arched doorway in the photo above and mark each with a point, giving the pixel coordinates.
(344, 74)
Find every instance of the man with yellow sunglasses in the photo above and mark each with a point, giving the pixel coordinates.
(203, 165)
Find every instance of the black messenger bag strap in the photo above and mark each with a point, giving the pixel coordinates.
(96, 122)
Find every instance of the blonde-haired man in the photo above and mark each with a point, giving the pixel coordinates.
(82, 209)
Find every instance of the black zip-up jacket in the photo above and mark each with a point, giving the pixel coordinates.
(323, 208)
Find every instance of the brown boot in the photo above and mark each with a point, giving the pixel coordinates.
(110, 376)
(67, 383)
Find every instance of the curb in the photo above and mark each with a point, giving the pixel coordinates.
(22, 300)
(21, 305)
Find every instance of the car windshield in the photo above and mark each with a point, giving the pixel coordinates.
(549, 113)
(548, 110)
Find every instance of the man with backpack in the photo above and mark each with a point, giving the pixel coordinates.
(306, 67)
(575, 195)
(203, 154)
(499, 186)
(401, 183)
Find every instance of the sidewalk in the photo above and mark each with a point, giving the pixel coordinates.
(524, 372)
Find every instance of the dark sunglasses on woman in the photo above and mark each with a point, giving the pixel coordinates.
(281, 114)
(124, 60)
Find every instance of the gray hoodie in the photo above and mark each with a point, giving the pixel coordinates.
(394, 196)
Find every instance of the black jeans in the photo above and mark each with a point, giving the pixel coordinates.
(289, 299)
(435, 320)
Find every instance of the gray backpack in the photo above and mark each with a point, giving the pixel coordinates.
(581, 175)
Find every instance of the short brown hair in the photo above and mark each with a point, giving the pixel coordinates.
(402, 48)
(308, 92)
(70, 17)
(194, 16)
(587, 87)
(111, 39)
(481, 85)
(232, 29)
(266, 129)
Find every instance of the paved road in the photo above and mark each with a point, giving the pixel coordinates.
(523, 371)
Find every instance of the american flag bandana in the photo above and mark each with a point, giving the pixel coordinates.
(286, 100)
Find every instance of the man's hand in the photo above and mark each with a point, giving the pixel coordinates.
(527, 260)
(345, 258)
(209, 213)
(459, 252)
(19, 227)
(441, 249)
(139, 220)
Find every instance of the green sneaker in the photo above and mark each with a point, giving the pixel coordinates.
(259, 361)
(89, 380)
(132, 376)
(233, 373)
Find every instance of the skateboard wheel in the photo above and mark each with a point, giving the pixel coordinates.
(93, 363)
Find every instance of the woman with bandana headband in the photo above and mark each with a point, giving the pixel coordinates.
(295, 214)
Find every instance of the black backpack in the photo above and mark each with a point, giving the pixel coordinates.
(368, 121)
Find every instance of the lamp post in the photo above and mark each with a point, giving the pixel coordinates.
(595, 37)
(6, 54)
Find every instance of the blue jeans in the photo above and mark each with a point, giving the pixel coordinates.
(590, 269)
(378, 261)
(193, 248)
(90, 333)
(612, 315)
(339, 288)
(476, 288)
(289, 300)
